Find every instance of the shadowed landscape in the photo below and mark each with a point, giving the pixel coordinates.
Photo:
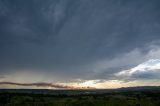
(133, 96)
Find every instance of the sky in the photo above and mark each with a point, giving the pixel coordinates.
(79, 43)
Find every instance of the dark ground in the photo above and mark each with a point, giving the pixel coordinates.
(137, 96)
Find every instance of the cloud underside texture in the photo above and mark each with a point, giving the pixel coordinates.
(77, 39)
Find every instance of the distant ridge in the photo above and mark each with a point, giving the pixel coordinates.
(81, 91)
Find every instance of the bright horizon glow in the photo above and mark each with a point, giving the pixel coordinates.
(150, 67)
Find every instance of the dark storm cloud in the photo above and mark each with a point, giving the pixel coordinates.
(65, 37)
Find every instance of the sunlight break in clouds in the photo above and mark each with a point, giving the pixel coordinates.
(149, 69)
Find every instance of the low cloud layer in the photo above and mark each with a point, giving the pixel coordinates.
(45, 85)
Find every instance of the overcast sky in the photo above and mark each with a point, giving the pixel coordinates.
(104, 43)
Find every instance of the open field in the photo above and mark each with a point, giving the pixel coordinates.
(119, 97)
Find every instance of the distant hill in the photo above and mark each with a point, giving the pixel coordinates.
(141, 88)
(81, 91)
